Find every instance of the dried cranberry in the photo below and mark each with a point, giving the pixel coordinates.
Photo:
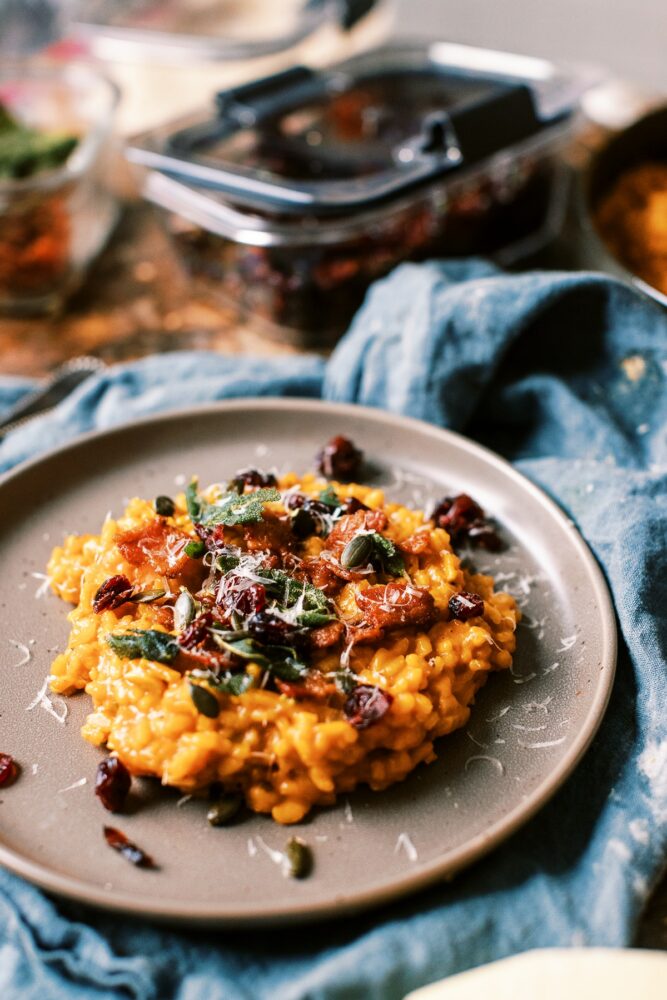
(464, 606)
(117, 839)
(8, 769)
(196, 632)
(304, 524)
(293, 501)
(237, 594)
(463, 519)
(312, 517)
(255, 479)
(455, 514)
(340, 459)
(112, 783)
(351, 505)
(113, 592)
(271, 630)
(483, 535)
(367, 704)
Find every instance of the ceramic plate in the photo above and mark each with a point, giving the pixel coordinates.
(527, 732)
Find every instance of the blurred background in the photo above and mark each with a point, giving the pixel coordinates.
(114, 253)
(628, 37)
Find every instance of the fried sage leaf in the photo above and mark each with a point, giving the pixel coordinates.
(329, 497)
(388, 555)
(288, 591)
(231, 683)
(193, 501)
(148, 644)
(279, 660)
(233, 508)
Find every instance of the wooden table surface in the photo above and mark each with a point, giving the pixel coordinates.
(138, 300)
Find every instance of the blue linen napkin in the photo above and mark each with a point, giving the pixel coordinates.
(565, 375)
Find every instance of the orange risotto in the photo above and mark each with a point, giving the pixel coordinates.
(284, 640)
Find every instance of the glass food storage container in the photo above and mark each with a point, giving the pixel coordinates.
(302, 188)
(168, 56)
(55, 220)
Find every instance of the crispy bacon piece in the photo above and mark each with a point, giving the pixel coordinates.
(361, 635)
(314, 685)
(321, 574)
(394, 604)
(326, 635)
(204, 659)
(159, 544)
(269, 535)
(165, 615)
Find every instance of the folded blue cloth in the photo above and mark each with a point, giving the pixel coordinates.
(566, 375)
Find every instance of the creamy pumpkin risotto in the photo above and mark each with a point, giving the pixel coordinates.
(282, 640)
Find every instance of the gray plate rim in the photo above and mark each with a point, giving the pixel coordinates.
(214, 914)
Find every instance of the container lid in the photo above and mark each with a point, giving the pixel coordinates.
(335, 140)
(208, 29)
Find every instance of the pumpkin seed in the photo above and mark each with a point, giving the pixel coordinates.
(204, 701)
(299, 858)
(146, 596)
(164, 506)
(224, 810)
(185, 610)
(357, 552)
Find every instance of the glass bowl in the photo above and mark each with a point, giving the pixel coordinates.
(54, 223)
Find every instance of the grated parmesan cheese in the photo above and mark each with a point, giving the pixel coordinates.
(541, 746)
(404, 843)
(44, 701)
(23, 649)
(498, 764)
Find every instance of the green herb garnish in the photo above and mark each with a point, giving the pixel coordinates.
(231, 683)
(288, 590)
(26, 151)
(314, 619)
(195, 549)
(280, 660)
(235, 508)
(148, 644)
(388, 555)
(193, 501)
(346, 680)
(329, 497)
(226, 562)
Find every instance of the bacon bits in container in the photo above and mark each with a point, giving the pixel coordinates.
(289, 195)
